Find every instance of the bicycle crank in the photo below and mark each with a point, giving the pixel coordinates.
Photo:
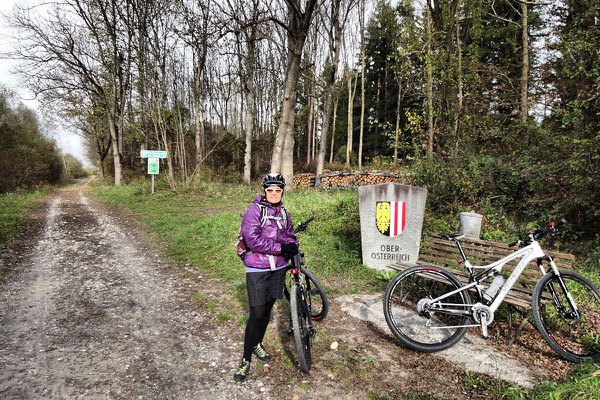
(484, 316)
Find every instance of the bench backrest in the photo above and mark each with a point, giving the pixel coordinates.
(439, 251)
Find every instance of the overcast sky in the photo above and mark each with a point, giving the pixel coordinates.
(69, 142)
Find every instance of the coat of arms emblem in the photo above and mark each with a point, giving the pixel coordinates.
(390, 217)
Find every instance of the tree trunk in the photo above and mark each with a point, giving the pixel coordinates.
(377, 97)
(460, 86)
(115, 150)
(362, 86)
(250, 93)
(397, 132)
(525, 69)
(100, 168)
(429, 84)
(249, 129)
(335, 106)
(298, 26)
(286, 124)
(309, 124)
(350, 122)
(198, 124)
(315, 127)
(287, 161)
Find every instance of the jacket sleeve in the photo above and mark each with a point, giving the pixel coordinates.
(252, 232)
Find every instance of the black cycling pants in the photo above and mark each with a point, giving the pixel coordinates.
(256, 326)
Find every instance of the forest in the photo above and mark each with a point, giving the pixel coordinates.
(489, 103)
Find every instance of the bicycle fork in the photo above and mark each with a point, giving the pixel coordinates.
(574, 314)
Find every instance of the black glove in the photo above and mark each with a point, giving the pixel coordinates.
(288, 250)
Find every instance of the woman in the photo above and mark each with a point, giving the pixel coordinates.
(269, 235)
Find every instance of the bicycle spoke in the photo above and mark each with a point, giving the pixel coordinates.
(409, 291)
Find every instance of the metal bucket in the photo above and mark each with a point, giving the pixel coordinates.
(470, 223)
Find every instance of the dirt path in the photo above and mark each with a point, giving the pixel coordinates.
(88, 313)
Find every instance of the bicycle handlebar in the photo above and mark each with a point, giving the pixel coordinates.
(303, 225)
(539, 233)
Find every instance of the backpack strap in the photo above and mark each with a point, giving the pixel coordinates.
(284, 213)
(263, 214)
(264, 217)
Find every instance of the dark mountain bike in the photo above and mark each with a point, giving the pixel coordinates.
(319, 304)
(308, 302)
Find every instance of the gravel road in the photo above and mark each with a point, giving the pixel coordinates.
(88, 312)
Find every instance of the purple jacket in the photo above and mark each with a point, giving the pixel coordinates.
(267, 239)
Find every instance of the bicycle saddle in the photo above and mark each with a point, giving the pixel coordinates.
(453, 236)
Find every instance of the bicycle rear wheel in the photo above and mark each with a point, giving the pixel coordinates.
(425, 331)
(319, 303)
(302, 327)
(576, 339)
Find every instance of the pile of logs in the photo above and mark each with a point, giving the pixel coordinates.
(343, 179)
(304, 180)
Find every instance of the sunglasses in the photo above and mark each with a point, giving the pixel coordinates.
(274, 191)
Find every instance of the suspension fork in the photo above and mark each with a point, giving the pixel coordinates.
(554, 270)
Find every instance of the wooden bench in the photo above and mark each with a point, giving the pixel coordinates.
(438, 251)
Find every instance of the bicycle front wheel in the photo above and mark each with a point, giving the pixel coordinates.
(575, 337)
(431, 330)
(301, 325)
(319, 303)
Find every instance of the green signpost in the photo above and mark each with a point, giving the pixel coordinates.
(153, 166)
(153, 154)
(153, 157)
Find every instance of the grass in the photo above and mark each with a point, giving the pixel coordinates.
(13, 211)
(582, 384)
(201, 226)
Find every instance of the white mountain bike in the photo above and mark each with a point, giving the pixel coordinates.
(426, 316)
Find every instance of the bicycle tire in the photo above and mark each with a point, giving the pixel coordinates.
(403, 293)
(319, 303)
(576, 340)
(300, 326)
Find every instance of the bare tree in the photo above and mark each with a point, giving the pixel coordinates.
(524, 25)
(337, 12)
(247, 21)
(429, 66)
(197, 34)
(350, 75)
(297, 26)
(361, 18)
(87, 52)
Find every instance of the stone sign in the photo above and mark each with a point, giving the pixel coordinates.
(391, 220)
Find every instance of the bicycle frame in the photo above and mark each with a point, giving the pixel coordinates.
(531, 252)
